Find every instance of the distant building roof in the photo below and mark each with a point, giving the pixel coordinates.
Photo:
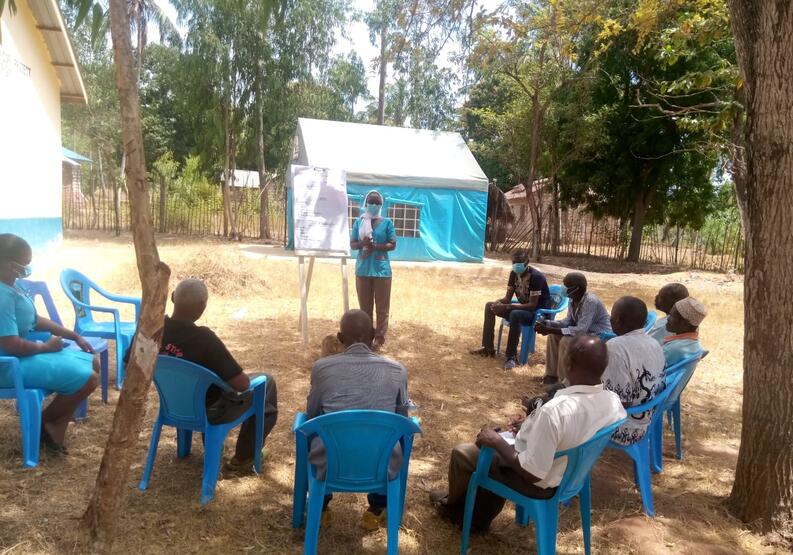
(383, 155)
(518, 192)
(245, 179)
(73, 156)
(53, 29)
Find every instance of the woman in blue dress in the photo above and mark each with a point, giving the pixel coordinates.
(374, 236)
(70, 374)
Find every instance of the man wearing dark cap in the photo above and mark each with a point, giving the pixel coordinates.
(587, 315)
(525, 462)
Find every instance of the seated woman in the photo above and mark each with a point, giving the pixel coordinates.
(68, 373)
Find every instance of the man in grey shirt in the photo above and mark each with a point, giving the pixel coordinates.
(587, 315)
(357, 379)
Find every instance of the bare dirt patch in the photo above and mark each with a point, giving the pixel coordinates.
(436, 319)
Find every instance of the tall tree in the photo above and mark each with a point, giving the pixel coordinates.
(102, 513)
(763, 490)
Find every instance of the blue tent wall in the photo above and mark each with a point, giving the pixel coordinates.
(451, 226)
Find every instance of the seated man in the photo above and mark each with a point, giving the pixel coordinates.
(530, 287)
(587, 315)
(529, 466)
(635, 369)
(684, 320)
(182, 338)
(664, 301)
(357, 379)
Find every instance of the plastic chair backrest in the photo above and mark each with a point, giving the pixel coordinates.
(581, 459)
(684, 371)
(558, 298)
(40, 289)
(650, 322)
(358, 445)
(182, 386)
(658, 400)
(78, 288)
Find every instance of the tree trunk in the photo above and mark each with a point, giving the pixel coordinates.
(233, 207)
(117, 208)
(637, 226)
(763, 490)
(103, 509)
(556, 223)
(383, 69)
(738, 159)
(264, 197)
(534, 202)
(227, 172)
(163, 203)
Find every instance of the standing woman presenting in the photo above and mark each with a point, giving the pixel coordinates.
(373, 235)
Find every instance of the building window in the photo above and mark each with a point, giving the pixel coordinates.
(406, 219)
(353, 210)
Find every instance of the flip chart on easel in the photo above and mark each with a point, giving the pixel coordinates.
(320, 210)
(321, 227)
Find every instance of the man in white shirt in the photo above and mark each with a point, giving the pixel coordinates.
(635, 369)
(664, 301)
(570, 419)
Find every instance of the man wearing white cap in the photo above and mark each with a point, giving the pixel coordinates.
(684, 320)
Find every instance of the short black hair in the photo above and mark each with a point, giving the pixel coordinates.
(521, 255)
(576, 279)
(13, 247)
(677, 291)
(634, 312)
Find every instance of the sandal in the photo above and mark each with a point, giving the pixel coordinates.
(51, 445)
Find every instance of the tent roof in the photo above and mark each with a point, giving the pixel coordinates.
(381, 155)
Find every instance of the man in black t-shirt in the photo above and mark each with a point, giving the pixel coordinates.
(531, 289)
(184, 339)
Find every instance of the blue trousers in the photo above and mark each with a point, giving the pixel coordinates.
(517, 319)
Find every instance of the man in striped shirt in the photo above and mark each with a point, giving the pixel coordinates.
(587, 315)
(357, 379)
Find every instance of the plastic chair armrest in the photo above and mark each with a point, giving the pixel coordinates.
(485, 458)
(113, 311)
(123, 299)
(13, 362)
(258, 381)
(300, 419)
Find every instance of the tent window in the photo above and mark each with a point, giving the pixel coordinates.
(406, 219)
(353, 210)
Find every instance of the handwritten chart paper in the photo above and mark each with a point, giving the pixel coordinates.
(319, 200)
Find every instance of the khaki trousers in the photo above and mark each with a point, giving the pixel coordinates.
(557, 358)
(375, 292)
(462, 465)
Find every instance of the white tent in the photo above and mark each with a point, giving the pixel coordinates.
(381, 155)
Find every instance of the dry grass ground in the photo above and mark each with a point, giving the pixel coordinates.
(436, 318)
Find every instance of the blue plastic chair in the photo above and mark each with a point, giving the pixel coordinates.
(671, 407)
(648, 326)
(28, 403)
(528, 337)
(640, 451)
(358, 444)
(78, 289)
(182, 386)
(99, 345)
(544, 512)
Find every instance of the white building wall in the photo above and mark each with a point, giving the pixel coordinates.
(30, 131)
